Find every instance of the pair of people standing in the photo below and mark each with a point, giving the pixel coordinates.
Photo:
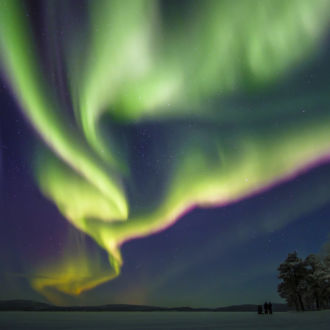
(268, 308)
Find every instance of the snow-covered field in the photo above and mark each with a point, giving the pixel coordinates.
(155, 320)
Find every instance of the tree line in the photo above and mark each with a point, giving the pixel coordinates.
(305, 284)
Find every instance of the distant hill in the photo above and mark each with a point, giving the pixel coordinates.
(23, 305)
(29, 305)
(251, 308)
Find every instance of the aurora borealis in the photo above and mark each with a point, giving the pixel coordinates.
(143, 111)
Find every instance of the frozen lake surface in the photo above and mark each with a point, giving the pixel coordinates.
(163, 320)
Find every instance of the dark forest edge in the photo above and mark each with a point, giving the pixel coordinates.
(305, 283)
(28, 305)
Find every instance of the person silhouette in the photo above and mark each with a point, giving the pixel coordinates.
(266, 307)
(270, 308)
(259, 309)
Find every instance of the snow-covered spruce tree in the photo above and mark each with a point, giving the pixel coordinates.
(293, 274)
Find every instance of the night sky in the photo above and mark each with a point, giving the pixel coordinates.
(161, 152)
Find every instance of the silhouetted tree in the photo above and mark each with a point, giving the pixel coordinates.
(293, 273)
(314, 278)
(286, 293)
(305, 283)
(325, 293)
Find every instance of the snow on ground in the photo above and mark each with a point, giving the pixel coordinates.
(156, 320)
